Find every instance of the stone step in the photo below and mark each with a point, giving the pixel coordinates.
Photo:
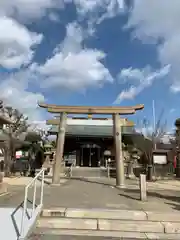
(56, 234)
(110, 220)
(120, 214)
(103, 224)
(107, 223)
(89, 172)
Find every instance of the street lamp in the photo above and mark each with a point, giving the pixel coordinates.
(177, 124)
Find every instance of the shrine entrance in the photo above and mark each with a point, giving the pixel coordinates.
(114, 111)
(90, 155)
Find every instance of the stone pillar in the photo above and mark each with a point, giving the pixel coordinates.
(118, 151)
(143, 189)
(59, 149)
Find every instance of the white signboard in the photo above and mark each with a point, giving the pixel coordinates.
(160, 159)
(18, 154)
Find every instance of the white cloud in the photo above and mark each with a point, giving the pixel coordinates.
(17, 48)
(24, 10)
(14, 92)
(73, 66)
(175, 88)
(96, 11)
(172, 110)
(109, 7)
(141, 78)
(158, 21)
(28, 9)
(39, 126)
(54, 17)
(16, 43)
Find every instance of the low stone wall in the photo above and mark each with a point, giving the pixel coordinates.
(159, 171)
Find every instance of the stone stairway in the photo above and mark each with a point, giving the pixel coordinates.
(89, 172)
(72, 223)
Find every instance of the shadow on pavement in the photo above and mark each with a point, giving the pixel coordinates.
(135, 195)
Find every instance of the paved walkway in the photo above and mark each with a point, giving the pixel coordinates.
(98, 193)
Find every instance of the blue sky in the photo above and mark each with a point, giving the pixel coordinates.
(103, 52)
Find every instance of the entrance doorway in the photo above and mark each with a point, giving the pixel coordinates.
(95, 157)
(90, 155)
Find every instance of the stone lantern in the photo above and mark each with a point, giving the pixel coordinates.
(177, 124)
(48, 151)
(133, 157)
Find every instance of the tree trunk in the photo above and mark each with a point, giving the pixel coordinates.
(150, 173)
(178, 165)
(7, 160)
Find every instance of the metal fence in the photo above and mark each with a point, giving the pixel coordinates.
(36, 208)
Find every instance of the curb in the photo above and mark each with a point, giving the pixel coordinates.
(135, 215)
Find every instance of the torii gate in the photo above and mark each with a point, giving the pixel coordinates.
(114, 111)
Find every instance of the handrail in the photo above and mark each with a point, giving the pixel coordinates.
(13, 217)
(33, 182)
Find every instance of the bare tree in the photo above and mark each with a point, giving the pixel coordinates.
(13, 131)
(42, 133)
(147, 140)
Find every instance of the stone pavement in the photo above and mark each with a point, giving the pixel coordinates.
(98, 193)
(163, 196)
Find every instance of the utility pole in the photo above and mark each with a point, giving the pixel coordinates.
(154, 124)
(150, 161)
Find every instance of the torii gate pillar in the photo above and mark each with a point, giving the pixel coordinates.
(59, 149)
(120, 178)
